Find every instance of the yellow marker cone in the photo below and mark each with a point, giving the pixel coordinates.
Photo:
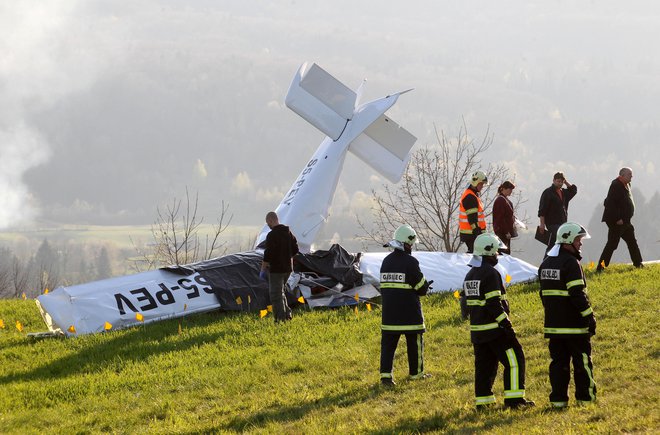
(19, 326)
(602, 263)
(46, 291)
(107, 326)
(356, 297)
(24, 296)
(72, 329)
(356, 310)
(239, 301)
(139, 317)
(2, 324)
(507, 278)
(457, 294)
(269, 308)
(591, 265)
(263, 313)
(301, 300)
(368, 307)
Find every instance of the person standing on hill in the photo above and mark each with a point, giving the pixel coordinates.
(503, 217)
(471, 220)
(553, 206)
(401, 284)
(569, 319)
(619, 210)
(281, 246)
(471, 217)
(491, 332)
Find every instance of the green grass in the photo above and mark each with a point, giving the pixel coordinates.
(234, 372)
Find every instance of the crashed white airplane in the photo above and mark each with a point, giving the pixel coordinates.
(231, 282)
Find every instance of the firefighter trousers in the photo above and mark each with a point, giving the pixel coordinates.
(505, 350)
(415, 348)
(562, 351)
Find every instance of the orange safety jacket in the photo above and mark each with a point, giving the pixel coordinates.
(464, 225)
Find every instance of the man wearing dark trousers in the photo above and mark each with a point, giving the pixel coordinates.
(281, 246)
(471, 216)
(619, 210)
(553, 206)
(401, 285)
(569, 319)
(471, 220)
(491, 332)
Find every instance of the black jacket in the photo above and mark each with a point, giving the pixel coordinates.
(281, 245)
(552, 207)
(486, 300)
(401, 285)
(564, 297)
(619, 203)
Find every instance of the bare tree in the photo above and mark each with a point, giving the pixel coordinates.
(176, 235)
(20, 276)
(5, 272)
(427, 198)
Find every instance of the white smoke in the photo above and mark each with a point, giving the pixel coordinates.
(20, 149)
(44, 59)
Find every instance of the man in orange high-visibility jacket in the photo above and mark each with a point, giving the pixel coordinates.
(471, 216)
(471, 220)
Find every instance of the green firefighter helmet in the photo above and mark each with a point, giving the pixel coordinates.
(478, 177)
(568, 231)
(405, 234)
(487, 244)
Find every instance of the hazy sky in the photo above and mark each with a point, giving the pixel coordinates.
(110, 108)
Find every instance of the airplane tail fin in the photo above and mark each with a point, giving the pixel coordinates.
(385, 146)
(321, 100)
(329, 105)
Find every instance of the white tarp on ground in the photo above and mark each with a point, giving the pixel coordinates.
(447, 270)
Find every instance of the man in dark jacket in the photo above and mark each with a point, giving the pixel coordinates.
(569, 318)
(491, 332)
(281, 246)
(619, 210)
(401, 285)
(553, 206)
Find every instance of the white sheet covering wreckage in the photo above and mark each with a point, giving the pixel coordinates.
(333, 108)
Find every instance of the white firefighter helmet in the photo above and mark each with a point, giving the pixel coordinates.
(487, 244)
(478, 177)
(568, 231)
(405, 234)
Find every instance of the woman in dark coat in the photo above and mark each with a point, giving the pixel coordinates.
(503, 218)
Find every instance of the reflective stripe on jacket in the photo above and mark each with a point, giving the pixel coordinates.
(563, 293)
(465, 224)
(486, 300)
(401, 284)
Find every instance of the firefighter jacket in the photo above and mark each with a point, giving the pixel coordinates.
(401, 285)
(563, 293)
(471, 212)
(487, 303)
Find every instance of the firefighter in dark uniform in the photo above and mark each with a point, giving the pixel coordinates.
(471, 219)
(569, 318)
(401, 285)
(491, 332)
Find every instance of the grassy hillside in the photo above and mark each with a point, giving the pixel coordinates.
(234, 372)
